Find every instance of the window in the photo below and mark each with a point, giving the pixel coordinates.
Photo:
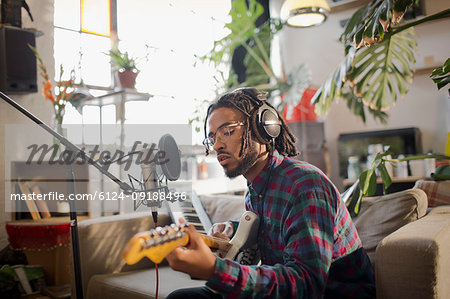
(173, 34)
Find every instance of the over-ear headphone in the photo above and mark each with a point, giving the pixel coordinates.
(264, 119)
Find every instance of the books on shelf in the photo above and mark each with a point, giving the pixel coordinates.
(31, 204)
(41, 204)
(38, 208)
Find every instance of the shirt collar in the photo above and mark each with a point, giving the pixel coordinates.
(262, 178)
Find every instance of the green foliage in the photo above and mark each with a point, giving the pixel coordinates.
(380, 73)
(369, 23)
(256, 40)
(258, 69)
(122, 60)
(197, 118)
(370, 79)
(367, 181)
(441, 75)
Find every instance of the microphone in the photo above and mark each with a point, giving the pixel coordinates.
(149, 176)
(171, 168)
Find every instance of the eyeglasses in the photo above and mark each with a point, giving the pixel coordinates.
(223, 134)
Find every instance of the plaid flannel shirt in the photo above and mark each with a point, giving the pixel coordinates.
(308, 244)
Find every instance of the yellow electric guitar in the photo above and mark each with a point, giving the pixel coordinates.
(157, 243)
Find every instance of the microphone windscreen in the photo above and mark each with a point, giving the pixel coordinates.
(171, 168)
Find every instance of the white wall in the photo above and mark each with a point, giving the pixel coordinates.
(42, 11)
(424, 106)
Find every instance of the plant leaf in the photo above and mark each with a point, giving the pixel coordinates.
(368, 182)
(385, 177)
(379, 74)
(366, 23)
(441, 75)
(383, 70)
(353, 202)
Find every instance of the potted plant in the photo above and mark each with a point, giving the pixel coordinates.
(259, 72)
(126, 68)
(379, 62)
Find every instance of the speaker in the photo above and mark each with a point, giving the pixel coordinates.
(17, 61)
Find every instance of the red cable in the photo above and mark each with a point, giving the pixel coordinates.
(157, 274)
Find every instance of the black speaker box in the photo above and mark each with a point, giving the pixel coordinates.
(17, 61)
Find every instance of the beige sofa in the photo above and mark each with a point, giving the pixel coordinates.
(410, 249)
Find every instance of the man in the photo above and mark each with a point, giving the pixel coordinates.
(308, 244)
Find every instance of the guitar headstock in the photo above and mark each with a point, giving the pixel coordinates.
(155, 244)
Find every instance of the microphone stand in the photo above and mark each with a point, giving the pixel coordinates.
(71, 151)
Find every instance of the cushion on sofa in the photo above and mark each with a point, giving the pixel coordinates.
(438, 192)
(221, 208)
(414, 261)
(382, 215)
(139, 284)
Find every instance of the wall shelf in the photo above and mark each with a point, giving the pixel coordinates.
(346, 5)
(116, 97)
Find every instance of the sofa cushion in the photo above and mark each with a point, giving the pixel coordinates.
(103, 239)
(438, 192)
(414, 261)
(139, 284)
(382, 215)
(221, 208)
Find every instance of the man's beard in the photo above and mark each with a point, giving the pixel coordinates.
(244, 166)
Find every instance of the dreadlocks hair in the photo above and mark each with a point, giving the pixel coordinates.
(248, 101)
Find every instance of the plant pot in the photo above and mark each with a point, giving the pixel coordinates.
(127, 78)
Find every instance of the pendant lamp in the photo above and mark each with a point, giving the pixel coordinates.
(304, 13)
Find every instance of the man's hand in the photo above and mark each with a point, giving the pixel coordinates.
(222, 230)
(197, 260)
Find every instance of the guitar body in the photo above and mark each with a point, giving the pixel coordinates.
(245, 237)
(156, 244)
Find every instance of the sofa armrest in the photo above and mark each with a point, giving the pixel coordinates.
(103, 239)
(414, 261)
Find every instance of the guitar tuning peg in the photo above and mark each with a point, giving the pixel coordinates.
(149, 243)
(163, 231)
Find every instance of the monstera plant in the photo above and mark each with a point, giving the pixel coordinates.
(378, 65)
(379, 59)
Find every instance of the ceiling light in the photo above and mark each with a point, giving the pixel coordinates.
(304, 13)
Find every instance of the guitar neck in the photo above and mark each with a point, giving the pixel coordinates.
(157, 243)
